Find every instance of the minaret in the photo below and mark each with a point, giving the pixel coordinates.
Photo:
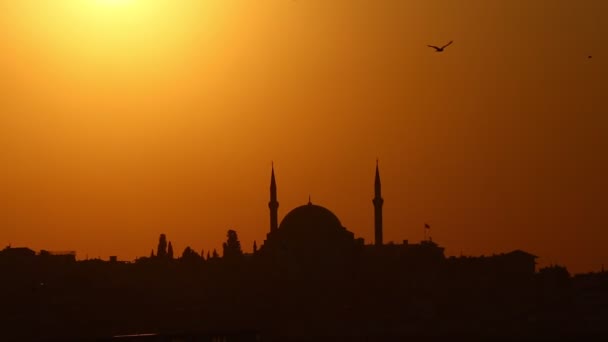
(378, 202)
(273, 205)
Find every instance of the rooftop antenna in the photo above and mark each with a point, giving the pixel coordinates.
(309, 201)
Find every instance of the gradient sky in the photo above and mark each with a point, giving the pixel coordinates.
(124, 119)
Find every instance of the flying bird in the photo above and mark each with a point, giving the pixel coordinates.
(440, 49)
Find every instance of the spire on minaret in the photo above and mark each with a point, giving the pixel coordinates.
(378, 202)
(273, 183)
(377, 184)
(273, 205)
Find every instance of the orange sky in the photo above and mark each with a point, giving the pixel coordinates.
(124, 119)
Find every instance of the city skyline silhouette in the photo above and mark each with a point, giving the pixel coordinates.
(310, 279)
(139, 141)
(375, 213)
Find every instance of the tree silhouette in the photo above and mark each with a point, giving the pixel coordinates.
(161, 252)
(170, 251)
(215, 255)
(152, 253)
(232, 246)
(255, 247)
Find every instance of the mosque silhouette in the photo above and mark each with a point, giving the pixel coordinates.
(311, 279)
(311, 237)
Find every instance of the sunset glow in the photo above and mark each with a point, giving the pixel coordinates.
(124, 119)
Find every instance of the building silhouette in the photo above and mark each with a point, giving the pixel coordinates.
(310, 279)
(311, 237)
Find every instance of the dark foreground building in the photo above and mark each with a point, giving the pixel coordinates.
(311, 280)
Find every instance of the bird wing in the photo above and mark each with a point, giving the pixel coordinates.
(448, 44)
(434, 47)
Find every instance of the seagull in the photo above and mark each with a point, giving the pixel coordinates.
(440, 49)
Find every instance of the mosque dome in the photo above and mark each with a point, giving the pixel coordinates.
(310, 217)
(310, 236)
(311, 228)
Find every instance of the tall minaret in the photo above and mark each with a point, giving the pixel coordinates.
(378, 201)
(273, 205)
